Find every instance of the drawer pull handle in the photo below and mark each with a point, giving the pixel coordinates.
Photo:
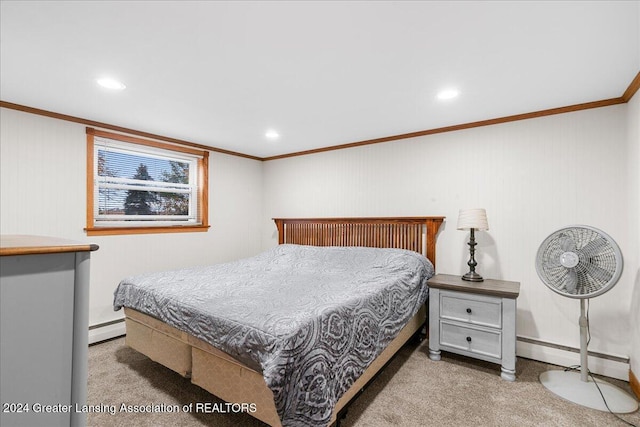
(469, 310)
(468, 339)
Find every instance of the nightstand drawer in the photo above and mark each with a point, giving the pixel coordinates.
(474, 309)
(473, 340)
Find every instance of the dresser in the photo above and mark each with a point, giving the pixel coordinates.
(44, 316)
(474, 319)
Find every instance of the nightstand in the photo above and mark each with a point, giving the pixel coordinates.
(475, 319)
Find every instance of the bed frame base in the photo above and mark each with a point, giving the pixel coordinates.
(230, 380)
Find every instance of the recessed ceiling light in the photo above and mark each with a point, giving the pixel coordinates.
(448, 94)
(272, 134)
(110, 83)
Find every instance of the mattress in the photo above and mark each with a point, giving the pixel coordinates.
(310, 319)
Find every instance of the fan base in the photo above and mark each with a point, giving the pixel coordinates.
(569, 386)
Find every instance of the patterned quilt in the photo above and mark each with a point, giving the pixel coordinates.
(311, 319)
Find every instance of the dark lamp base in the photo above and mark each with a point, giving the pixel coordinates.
(472, 276)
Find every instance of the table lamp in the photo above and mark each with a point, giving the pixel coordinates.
(472, 219)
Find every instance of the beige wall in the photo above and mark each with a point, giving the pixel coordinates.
(532, 176)
(42, 188)
(633, 260)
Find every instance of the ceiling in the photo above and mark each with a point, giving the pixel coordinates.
(321, 74)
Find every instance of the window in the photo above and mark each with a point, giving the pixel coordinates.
(141, 186)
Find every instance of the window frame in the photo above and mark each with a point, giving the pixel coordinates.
(94, 229)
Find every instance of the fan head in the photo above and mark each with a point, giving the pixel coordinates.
(579, 262)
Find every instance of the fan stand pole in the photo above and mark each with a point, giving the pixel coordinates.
(580, 388)
(584, 356)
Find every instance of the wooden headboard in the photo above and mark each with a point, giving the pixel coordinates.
(413, 233)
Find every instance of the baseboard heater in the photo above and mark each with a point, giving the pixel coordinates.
(573, 349)
(106, 331)
(102, 325)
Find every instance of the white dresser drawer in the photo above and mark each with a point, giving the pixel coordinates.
(484, 342)
(474, 309)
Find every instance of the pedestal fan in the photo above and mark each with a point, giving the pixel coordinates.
(582, 262)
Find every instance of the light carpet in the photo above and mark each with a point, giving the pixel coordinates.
(411, 391)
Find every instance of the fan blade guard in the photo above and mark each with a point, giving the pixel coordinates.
(579, 262)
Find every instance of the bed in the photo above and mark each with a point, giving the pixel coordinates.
(290, 368)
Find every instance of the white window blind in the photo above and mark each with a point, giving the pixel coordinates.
(138, 185)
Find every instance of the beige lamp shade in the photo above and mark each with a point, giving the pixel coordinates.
(473, 218)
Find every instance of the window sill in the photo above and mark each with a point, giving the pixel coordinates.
(106, 231)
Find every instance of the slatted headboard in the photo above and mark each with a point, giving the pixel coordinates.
(413, 233)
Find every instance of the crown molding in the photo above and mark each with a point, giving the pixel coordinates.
(120, 129)
(628, 94)
(525, 116)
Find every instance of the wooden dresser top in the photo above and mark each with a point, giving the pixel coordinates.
(13, 244)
